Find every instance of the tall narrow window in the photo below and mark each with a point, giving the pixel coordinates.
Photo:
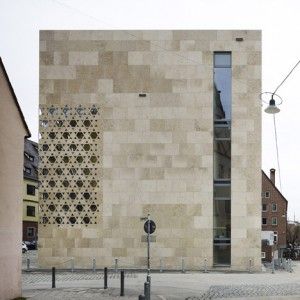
(222, 159)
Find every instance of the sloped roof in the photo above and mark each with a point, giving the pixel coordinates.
(15, 99)
(272, 183)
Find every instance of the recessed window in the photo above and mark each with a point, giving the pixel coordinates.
(264, 207)
(27, 170)
(263, 255)
(274, 207)
(30, 232)
(274, 221)
(30, 190)
(267, 194)
(275, 236)
(264, 221)
(30, 211)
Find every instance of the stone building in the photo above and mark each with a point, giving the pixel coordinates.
(30, 191)
(13, 130)
(274, 217)
(160, 122)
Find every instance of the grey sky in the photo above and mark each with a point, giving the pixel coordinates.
(20, 22)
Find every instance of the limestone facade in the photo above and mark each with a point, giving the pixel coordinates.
(147, 97)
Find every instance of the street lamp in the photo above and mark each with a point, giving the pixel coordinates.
(272, 108)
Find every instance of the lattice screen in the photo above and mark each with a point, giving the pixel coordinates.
(70, 169)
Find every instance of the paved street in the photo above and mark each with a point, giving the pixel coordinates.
(189, 286)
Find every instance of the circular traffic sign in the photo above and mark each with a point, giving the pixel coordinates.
(152, 226)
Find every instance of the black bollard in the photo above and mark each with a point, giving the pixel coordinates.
(141, 297)
(105, 278)
(53, 277)
(147, 290)
(122, 284)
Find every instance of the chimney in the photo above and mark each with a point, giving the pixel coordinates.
(272, 175)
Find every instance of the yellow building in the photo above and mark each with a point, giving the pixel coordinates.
(30, 191)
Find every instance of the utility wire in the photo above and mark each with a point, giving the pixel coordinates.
(127, 32)
(286, 77)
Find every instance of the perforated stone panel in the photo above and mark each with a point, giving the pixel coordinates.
(70, 165)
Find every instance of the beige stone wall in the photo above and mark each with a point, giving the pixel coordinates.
(156, 151)
(12, 134)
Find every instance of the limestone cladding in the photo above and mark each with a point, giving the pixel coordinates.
(155, 154)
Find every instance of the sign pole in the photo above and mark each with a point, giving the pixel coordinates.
(148, 250)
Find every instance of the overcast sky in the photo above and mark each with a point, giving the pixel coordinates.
(279, 20)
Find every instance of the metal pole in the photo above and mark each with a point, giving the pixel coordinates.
(148, 248)
(141, 297)
(273, 266)
(205, 265)
(122, 284)
(116, 265)
(94, 264)
(161, 267)
(182, 265)
(28, 263)
(105, 278)
(72, 264)
(147, 290)
(250, 265)
(53, 277)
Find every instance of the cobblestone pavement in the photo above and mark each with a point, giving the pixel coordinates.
(234, 291)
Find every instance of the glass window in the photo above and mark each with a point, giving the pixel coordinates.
(222, 159)
(30, 189)
(222, 86)
(274, 221)
(222, 215)
(264, 207)
(30, 232)
(267, 194)
(30, 211)
(274, 207)
(222, 254)
(222, 191)
(264, 221)
(275, 236)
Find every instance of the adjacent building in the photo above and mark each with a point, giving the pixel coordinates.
(274, 218)
(165, 123)
(13, 130)
(30, 191)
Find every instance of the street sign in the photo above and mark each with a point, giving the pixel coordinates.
(152, 226)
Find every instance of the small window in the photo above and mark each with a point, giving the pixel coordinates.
(263, 255)
(264, 221)
(274, 221)
(30, 232)
(30, 189)
(267, 195)
(264, 207)
(274, 207)
(30, 211)
(27, 170)
(275, 236)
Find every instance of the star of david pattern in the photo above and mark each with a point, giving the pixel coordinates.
(70, 170)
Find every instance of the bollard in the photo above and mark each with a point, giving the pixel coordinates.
(250, 265)
(116, 265)
(141, 297)
(53, 277)
(205, 265)
(160, 265)
(72, 264)
(94, 264)
(105, 278)
(182, 265)
(122, 284)
(147, 290)
(290, 266)
(273, 266)
(28, 263)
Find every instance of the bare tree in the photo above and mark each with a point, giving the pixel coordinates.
(293, 237)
